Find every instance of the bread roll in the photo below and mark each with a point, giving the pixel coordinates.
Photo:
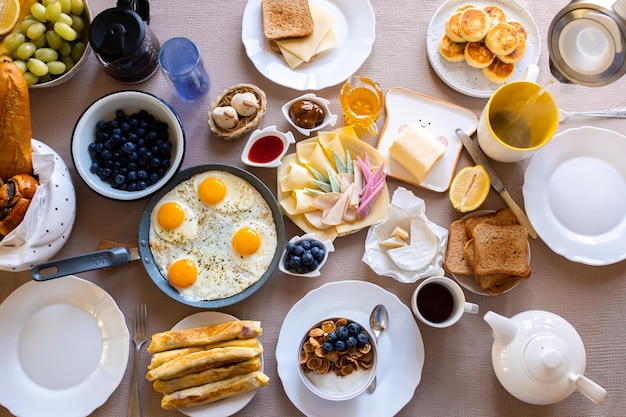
(15, 197)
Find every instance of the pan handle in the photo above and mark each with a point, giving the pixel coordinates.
(81, 263)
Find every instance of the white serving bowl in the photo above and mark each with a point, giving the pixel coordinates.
(331, 386)
(285, 138)
(329, 118)
(104, 109)
(328, 247)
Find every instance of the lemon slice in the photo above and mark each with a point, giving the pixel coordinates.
(9, 13)
(469, 188)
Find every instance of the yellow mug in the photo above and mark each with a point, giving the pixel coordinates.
(516, 122)
(362, 104)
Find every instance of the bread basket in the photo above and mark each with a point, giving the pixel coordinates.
(245, 123)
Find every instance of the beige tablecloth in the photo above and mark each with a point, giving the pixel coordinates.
(457, 378)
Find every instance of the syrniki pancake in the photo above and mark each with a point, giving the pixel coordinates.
(496, 14)
(451, 51)
(473, 24)
(477, 55)
(452, 28)
(521, 30)
(499, 72)
(501, 39)
(517, 54)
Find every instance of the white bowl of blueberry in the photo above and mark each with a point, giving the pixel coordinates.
(127, 145)
(305, 255)
(337, 359)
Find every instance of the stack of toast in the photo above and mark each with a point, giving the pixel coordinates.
(492, 247)
(286, 19)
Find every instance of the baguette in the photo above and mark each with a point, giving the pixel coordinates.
(285, 19)
(15, 197)
(15, 123)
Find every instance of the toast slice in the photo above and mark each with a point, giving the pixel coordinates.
(285, 19)
(455, 261)
(502, 216)
(500, 249)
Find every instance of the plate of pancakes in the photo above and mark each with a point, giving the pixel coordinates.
(474, 47)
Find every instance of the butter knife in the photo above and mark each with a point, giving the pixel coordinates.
(481, 159)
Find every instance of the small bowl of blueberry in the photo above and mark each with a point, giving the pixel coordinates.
(127, 145)
(305, 255)
(337, 359)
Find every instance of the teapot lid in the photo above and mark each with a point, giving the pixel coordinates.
(119, 32)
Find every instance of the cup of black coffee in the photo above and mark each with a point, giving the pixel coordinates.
(440, 302)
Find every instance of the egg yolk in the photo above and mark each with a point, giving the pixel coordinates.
(212, 190)
(170, 215)
(183, 273)
(246, 241)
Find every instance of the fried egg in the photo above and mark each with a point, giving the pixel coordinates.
(253, 245)
(182, 273)
(223, 191)
(173, 220)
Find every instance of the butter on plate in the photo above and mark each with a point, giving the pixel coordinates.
(417, 151)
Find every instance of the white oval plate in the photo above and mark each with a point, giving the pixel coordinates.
(440, 118)
(63, 348)
(400, 349)
(227, 406)
(355, 27)
(460, 76)
(575, 195)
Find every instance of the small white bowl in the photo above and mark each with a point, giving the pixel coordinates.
(331, 386)
(285, 138)
(328, 247)
(104, 109)
(329, 118)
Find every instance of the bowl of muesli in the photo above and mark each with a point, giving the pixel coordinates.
(337, 359)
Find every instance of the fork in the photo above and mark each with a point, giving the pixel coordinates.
(140, 335)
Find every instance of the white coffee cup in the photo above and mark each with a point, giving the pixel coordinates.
(509, 129)
(440, 302)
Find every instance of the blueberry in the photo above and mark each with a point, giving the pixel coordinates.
(331, 337)
(351, 342)
(342, 332)
(93, 167)
(120, 179)
(354, 329)
(306, 244)
(307, 258)
(299, 250)
(291, 247)
(295, 262)
(327, 347)
(362, 339)
(340, 346)
(318, 253)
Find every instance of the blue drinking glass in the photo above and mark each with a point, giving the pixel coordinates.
(180, 60)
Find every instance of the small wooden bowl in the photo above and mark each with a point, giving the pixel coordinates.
(246, 123)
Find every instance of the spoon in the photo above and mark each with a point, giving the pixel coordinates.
(619, 112)
(378, 323)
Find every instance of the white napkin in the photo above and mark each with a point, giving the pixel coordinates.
(404, 207)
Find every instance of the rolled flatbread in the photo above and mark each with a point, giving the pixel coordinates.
(198, 336)
(201, 361)
(214, 391)
(205, 377)
(160, 358)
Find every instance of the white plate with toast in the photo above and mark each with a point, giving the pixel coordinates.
(63, 348)
(227, 406)
(459, 75)
(400, 349)
(575, 195)
(355, 28)
(440, 118)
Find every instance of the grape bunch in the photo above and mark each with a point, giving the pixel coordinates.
(48, 42)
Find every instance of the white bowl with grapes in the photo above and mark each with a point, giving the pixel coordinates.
(51, 42)
(127, 145)
(305, 255)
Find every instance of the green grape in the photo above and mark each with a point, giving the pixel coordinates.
(40, 42)
(28, 22)
(38, 10)
(47, 2)
(46, 54)
(78, 6)
(54, 40)
(56, 67)
(36, 30)
(37, 67)
(14, 40)
(77, 50)
(78, 24)
(26, 50)
(66, 5)
(45, 78)
(65, 49)
(65, 31)
(30, 78)
(53, 11)
(21, 65)
(68, 61)
(65, 18)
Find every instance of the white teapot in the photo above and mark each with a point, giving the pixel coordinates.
(539, 358)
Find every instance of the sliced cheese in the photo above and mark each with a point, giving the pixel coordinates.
(420, 251)
(393, 242)
(305, 48)
(417, 151)
(399, 232)
(298, 177)
(330, 142)
(311, 154)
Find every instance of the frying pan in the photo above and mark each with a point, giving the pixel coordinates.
(121, 255)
